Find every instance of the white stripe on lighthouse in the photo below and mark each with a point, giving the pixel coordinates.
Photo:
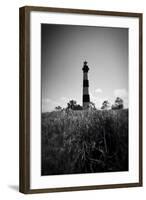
(85, 90)
(85, 76)
(85, 104)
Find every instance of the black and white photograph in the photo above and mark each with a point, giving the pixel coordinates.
(84, 99)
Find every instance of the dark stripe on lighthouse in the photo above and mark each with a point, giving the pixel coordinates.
(85, 83)
(86, 98)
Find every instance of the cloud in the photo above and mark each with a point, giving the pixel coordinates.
(93, 97)
(121, 93)
(98, 90)
(97, 99)
(65, 99)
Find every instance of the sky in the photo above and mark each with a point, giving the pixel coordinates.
(64, 48)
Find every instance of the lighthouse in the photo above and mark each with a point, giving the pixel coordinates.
(86, 97)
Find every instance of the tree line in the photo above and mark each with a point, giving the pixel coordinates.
(106, 105)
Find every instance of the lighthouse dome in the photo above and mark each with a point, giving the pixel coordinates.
(85, 67)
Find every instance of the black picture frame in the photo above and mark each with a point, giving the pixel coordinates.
(24, 135)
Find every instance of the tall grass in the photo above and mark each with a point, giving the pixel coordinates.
(84, 141)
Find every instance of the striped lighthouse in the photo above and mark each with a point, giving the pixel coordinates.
(86, 97)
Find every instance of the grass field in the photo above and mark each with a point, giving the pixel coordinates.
(84, 141)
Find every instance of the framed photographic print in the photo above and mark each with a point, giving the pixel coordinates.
(80, 99)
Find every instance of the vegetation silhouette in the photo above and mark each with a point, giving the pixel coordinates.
(75, 140)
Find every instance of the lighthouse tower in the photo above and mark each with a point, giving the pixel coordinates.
(86, 97)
